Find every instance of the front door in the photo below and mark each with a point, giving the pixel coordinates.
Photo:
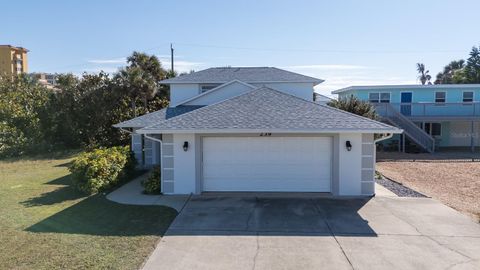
(406, 103)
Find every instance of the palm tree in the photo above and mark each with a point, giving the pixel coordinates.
(356, 106)
(423, 76)
(449, 70)
(140, 79)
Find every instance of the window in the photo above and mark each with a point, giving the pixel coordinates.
(384, 97)
(468, 96)
(373, 97)
(440, 97)
(379, 97)
(434, 129)
(207, 87)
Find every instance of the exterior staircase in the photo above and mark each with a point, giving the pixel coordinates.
(410, 129)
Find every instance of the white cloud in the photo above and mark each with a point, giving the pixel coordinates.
(97, 69)
(328, 67)
(340, 76)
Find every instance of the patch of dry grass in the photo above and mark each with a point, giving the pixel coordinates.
(452, 180)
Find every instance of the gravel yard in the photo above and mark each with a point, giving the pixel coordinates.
(454, 179)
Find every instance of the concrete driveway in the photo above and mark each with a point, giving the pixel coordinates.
(261, 232)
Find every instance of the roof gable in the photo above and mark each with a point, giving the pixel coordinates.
(245, 74)
(219, 93)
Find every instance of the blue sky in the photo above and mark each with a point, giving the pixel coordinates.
(343, 42)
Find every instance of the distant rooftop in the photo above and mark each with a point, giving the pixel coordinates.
(245, 74)
(14, 47)
(406, 86)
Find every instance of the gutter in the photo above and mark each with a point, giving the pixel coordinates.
(125, 130)
(303, 131)
(389, 135)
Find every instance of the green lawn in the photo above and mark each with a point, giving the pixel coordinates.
(45, 224)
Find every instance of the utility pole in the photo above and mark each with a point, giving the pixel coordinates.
(171, 55)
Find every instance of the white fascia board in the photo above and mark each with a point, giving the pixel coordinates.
(213, 90)
(226, 131)
(316, 82)
(406, 86)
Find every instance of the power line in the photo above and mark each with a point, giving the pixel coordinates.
(311, 50)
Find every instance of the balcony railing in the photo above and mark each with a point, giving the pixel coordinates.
(431, 109)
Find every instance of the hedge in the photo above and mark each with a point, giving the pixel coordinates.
(152, 183)
(102, 168)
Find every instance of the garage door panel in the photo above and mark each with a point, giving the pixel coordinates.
(300, 164)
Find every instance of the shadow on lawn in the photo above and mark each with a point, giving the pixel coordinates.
(96, 215)
(59, 195)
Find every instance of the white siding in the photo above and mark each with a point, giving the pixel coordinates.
(181, 92)
(184, 164)
(350, 165)
(224, 93)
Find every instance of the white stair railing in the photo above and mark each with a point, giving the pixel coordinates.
(415, 133)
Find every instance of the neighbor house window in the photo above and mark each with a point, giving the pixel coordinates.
(374, 97)
(379, 97)
(467, 96)
(207, 87)
(440, 97)
(434, 129)
(384, 97)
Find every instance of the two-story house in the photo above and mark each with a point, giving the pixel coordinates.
(255, 129)
(432, 116)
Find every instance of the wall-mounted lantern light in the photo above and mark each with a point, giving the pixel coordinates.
(348, 144)
(185, 146)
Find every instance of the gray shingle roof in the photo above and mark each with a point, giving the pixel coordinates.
(269, 110)
(245, 74)
(156, 117)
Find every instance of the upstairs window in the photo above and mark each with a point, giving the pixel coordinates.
(379, 97)
(468, 96)
(207, 87)
(440, 97)
(374, 97)
(384, 97)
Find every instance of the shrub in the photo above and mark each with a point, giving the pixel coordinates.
(101, 168)
(152, 183)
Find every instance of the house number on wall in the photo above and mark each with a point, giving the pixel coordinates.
(265, 134)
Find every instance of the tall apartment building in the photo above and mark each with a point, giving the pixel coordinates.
(13, 60)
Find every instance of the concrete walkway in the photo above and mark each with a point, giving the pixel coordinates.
(132, 193)
(383, 232)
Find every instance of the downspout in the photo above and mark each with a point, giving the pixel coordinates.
(161, 157)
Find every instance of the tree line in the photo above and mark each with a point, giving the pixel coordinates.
(456, 72)
(80, 111)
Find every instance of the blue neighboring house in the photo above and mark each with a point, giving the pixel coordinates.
(432, 116)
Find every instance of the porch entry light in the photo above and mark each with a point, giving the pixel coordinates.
(348, 144)
(185, 146)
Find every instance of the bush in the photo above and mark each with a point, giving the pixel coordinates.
(102, 169)
(152, 183)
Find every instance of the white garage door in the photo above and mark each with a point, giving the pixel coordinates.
(296, 164)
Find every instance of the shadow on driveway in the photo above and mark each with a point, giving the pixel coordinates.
(206, 215)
